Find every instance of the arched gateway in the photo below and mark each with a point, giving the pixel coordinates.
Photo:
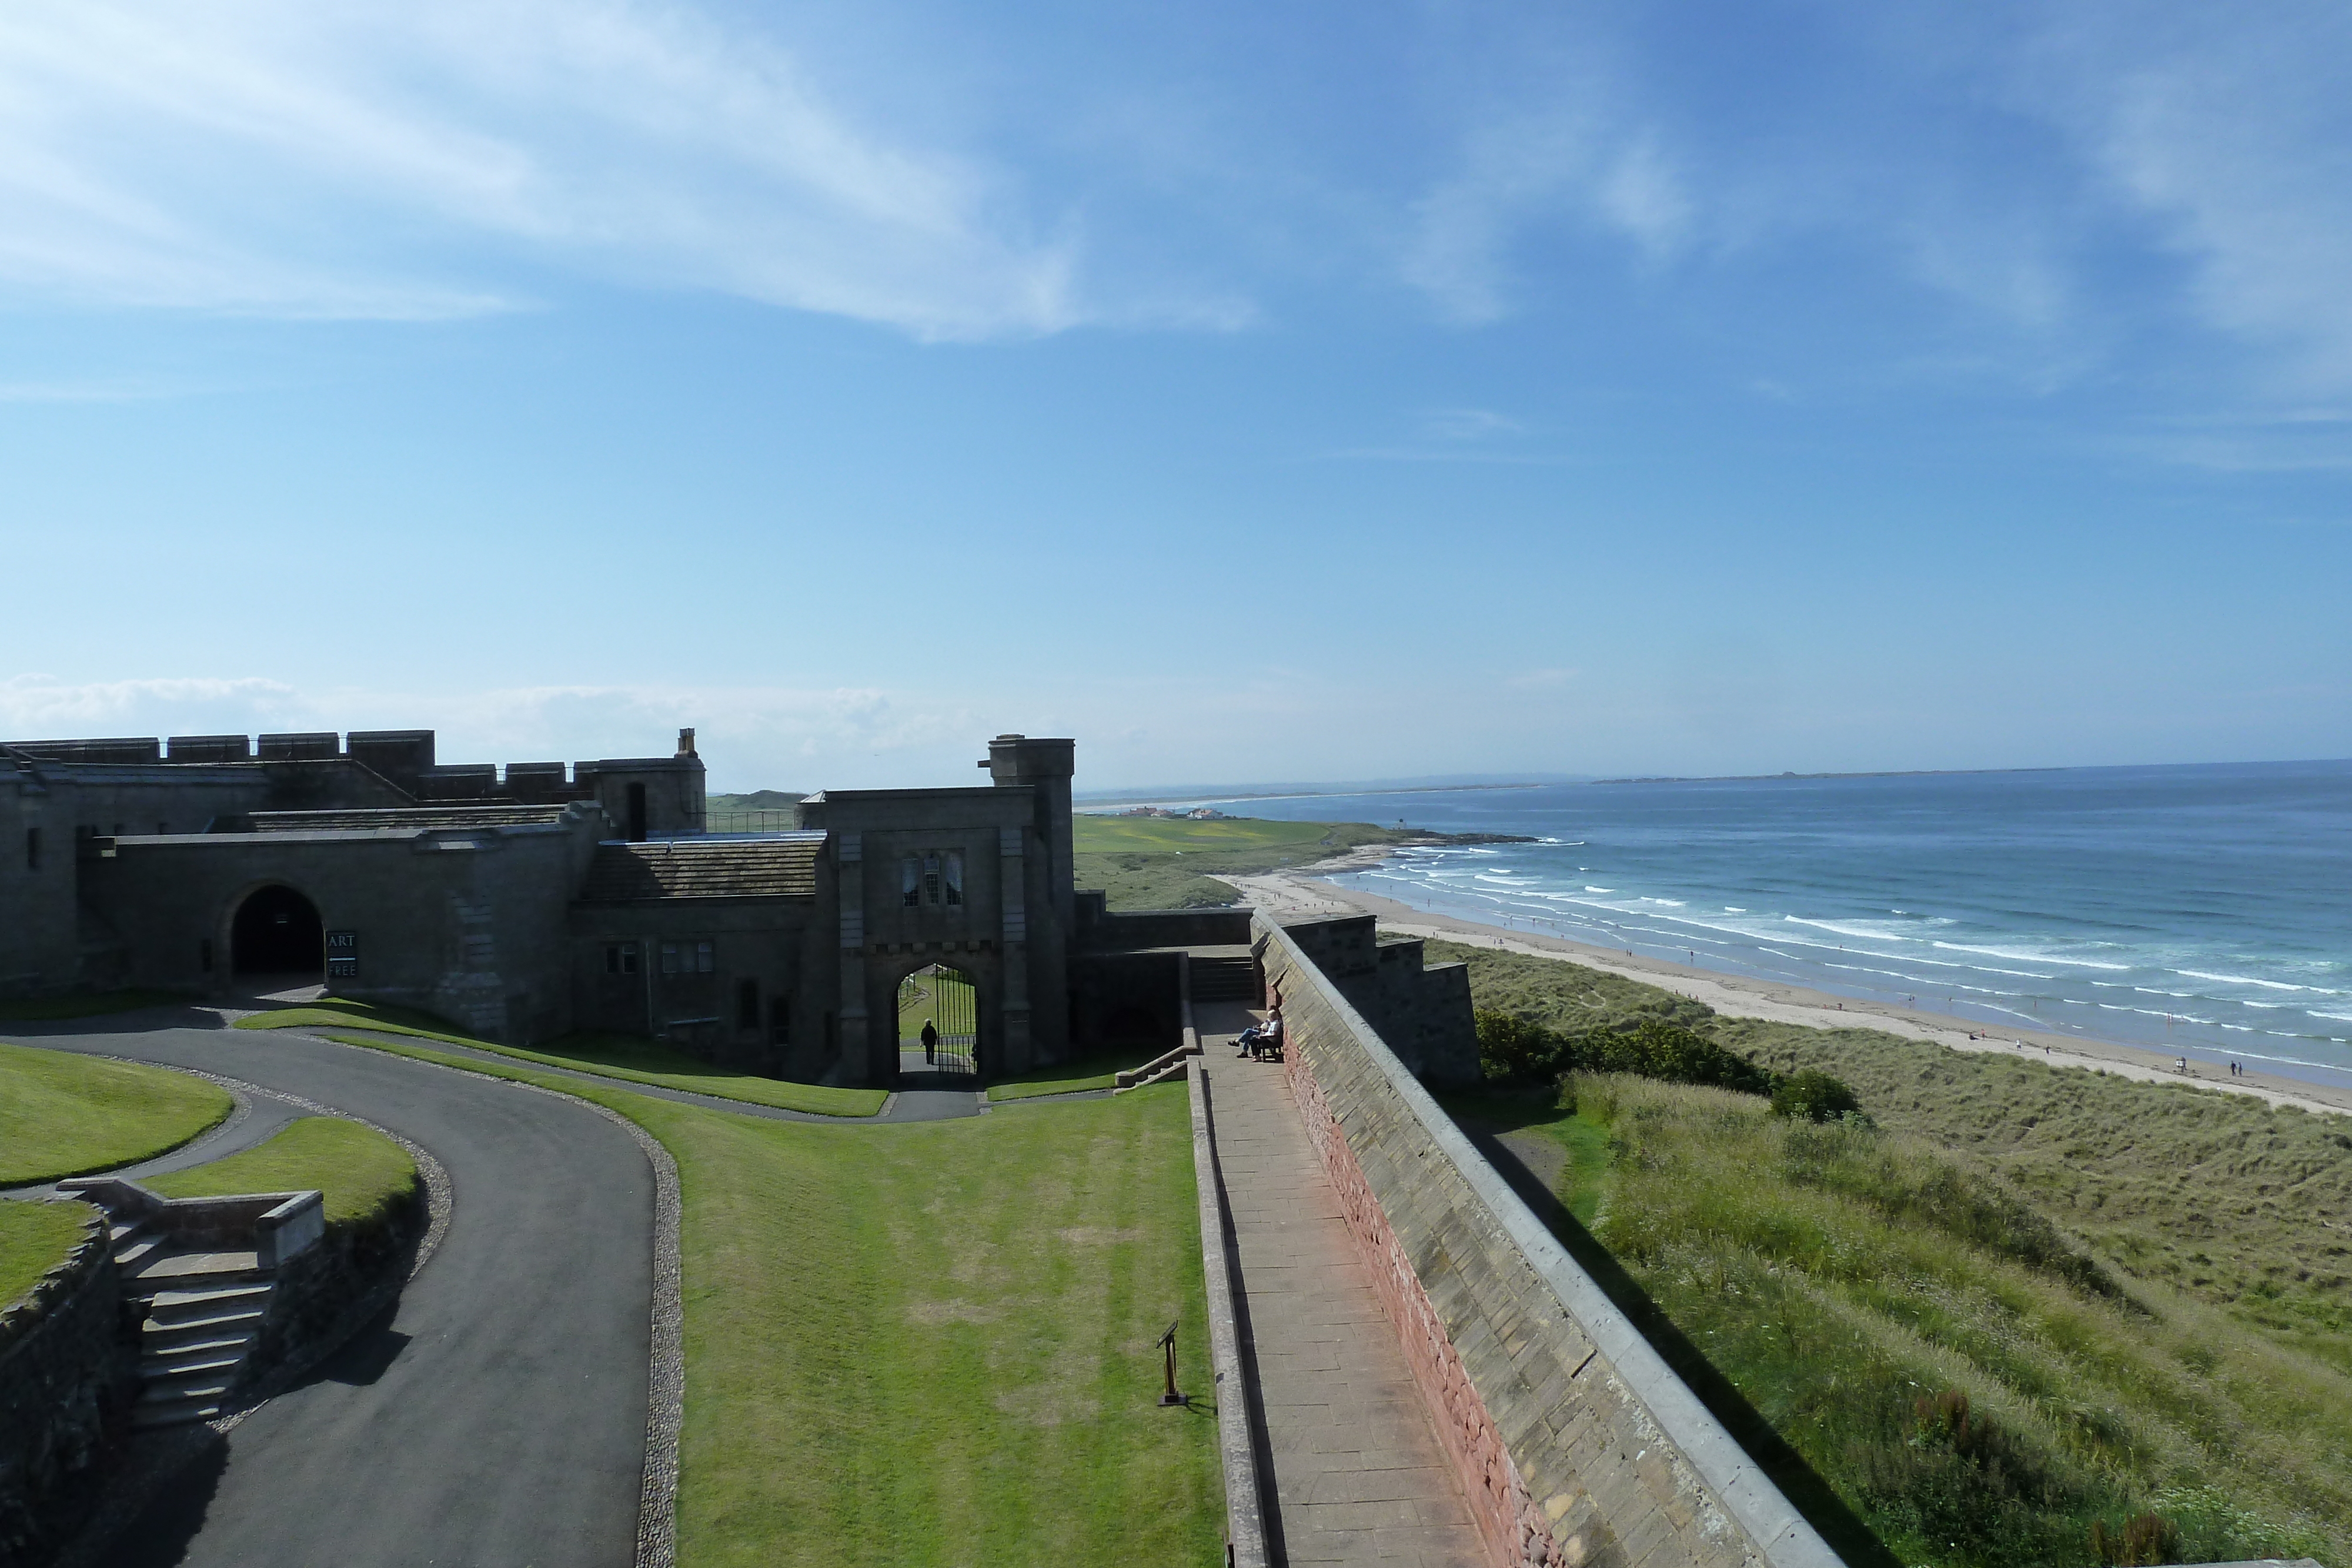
(277, 931)
(938, 1024)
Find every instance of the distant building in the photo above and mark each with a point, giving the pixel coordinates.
(537, 900)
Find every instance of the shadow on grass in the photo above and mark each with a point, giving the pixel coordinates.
(1854, 1542)
(1097, 1071)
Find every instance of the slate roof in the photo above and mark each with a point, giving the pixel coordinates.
(405, 817)
(720, 868)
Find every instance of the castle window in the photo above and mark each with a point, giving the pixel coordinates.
(669, 959)
(933, 879)
(705, 959)
(747, 1005)
(620, 958)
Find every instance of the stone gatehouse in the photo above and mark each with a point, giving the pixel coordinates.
(537, 900)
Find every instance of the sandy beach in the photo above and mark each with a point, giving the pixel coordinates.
(1297, 893)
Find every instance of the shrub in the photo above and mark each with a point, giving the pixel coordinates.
(2145, 1540)
(1514, 1050)
(1813, 1095)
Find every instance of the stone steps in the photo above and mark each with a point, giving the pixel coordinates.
(1222, 979)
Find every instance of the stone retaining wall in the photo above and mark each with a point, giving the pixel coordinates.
(1575, 1442)
(65, 1369)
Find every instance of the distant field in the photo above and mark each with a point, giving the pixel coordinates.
(2143, 1292)
(1161, 862)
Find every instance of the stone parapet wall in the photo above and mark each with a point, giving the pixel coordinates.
(1575, 1442)
(65, 1367)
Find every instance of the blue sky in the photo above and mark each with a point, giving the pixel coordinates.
(1321, 391)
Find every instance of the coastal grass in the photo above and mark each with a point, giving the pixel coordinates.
(2242, 1205)
(631, 1058)
(35, 1237)
(1173, 862)
(1097, 1071)
(361, 1175)
(1973, 1383)
(2140, 1291)
(62, 1114)
(82, 1005)
(933, 1343)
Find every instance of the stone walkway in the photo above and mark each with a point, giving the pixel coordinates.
(1358, 1474)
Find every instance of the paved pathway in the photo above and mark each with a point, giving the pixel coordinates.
(496, 1413)
(1358, 1474)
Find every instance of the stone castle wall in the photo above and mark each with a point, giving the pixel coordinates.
(1575, 1442)
(65, 1367)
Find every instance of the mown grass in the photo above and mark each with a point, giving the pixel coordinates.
(1099, 1071)
(64, 1114)
(933, 1343)
(2139, 1289)
(631, 1058)
(34, 1238)
(361, 1175)
(82, 1005)
(1173, 862)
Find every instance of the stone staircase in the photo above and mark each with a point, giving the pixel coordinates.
(202, 1273)
(1159, 1069)
(1222, 980)
(201, 1321)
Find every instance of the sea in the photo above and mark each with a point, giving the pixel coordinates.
(2202, 911)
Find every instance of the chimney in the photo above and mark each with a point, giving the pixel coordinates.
(685, 743)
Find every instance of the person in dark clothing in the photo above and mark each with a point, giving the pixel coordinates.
(930, 1042)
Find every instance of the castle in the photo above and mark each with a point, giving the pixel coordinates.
(536, 901)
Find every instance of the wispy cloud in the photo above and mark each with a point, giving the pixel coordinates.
(2232, 131)
(1468, 425)
(420, 160)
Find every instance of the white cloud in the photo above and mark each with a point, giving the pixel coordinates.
(408, 161)
(1468, 425)
(2231, 131)
(43, 707)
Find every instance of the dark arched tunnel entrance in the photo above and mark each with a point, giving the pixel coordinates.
(277, 931)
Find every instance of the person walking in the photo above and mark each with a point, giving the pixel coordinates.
(930, 1044)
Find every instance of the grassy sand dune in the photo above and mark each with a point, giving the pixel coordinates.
(2019, 1303)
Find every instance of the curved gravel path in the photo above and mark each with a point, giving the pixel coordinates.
(498, 1413)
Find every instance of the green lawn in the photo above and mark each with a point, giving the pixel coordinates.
(932, 1344)
(1173, 863)
(64, 1114)
(34, 1238)
(2140, 1291)
(359, 1173)
(78, 1005)
(1087, 1072)
(629, 1057)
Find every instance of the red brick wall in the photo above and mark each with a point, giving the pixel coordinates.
(1516, 1533)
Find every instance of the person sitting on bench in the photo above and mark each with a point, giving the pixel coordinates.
(1259, 1038)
